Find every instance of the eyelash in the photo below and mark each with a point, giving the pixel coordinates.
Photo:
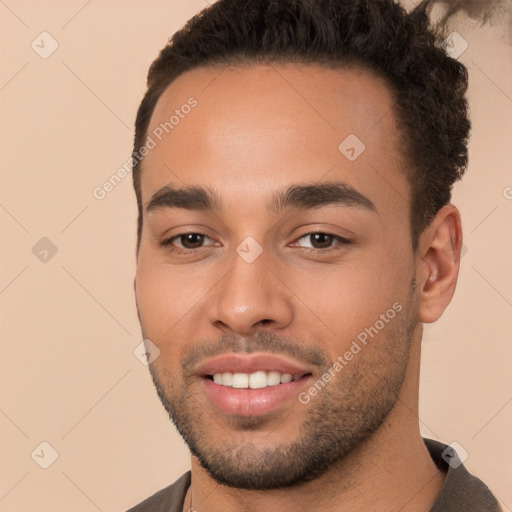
(178, 250)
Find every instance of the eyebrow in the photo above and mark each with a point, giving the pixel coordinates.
(189, 198)
(302, 196)
(309, 196)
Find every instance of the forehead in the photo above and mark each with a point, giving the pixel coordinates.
(257, 128)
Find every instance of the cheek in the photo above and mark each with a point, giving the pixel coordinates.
(162, 306)
(171, 299)
(164, 297)
(349, 298)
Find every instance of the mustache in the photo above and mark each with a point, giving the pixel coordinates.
(260, 342)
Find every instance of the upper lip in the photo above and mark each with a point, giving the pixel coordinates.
(250, 363)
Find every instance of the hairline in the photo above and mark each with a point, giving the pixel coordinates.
(405, 164)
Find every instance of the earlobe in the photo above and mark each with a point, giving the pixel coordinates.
(439, 260)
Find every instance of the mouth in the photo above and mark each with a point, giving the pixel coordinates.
(251, 384)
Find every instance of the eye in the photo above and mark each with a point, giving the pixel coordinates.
(187, 241)
(321, 241)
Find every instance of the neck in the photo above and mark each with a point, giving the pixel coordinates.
(390, 471)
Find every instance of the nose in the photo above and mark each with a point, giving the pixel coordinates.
(250, 297)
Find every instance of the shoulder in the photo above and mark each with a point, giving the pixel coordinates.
(461, 490)
(169, 499)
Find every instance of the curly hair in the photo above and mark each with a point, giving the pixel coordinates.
(404, 48)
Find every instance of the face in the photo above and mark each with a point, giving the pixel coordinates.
(275, 272)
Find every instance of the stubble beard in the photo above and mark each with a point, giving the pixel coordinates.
(348, 410)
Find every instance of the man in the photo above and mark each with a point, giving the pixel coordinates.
(293, 164)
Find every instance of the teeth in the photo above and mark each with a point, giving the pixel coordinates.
(256, 380)
(274, 378)
(286, 377)
(240, 380)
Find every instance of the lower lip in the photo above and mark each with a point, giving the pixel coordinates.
(252, 402)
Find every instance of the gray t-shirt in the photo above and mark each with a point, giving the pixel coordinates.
(461, 491)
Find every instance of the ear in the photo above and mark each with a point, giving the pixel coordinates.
(438, 262)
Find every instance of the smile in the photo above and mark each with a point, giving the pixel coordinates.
(256, 380)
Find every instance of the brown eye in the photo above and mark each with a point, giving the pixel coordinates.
(186, 242)
(321, 241)
(191, 240)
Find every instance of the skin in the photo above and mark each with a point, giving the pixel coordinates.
(258, 129)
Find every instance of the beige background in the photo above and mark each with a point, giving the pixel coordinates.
(68, 373)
